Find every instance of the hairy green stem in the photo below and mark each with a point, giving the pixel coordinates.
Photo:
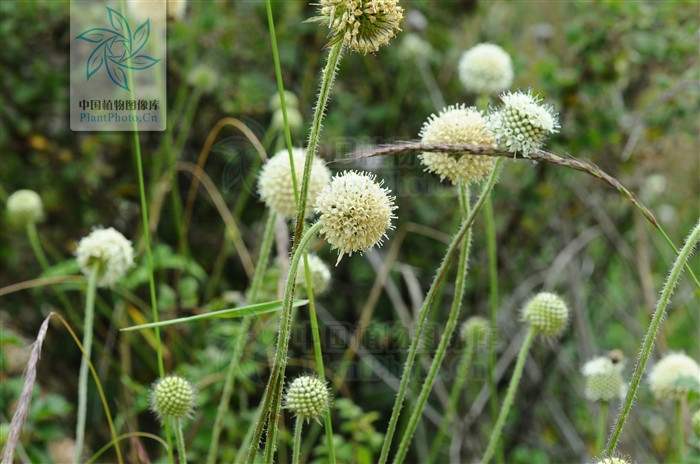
(510, 395)
(446, 336)
(87, 347)
(425, 309)
(239, 344)
(602, 423)
(648, 342)
(180, 438)
(296, 447)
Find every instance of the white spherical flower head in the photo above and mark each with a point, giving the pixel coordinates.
(110, 251)
(523, 123)
(413, 47)
(356, 212)
(320, 275)
(668, 376)
(24, 207)
(485, 68)
(294, 119)
(308, 397)
(362, 25)
(276, 186)
(290, 101)
(173, 397)
(458, 124)
(604, 380)
(203, 77)
(547, 313)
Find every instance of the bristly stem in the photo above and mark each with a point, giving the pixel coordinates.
(180, 438)
(510, 395)
(296, 446)
(447, 334)
(602, 423)
(425, 309)
(648, 342)
(87, 347)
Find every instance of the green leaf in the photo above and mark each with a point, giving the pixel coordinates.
(250, 310)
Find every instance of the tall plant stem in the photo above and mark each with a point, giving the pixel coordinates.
(510, 395)
(648, 342)
(87, 347)
(239, 344)
(180, 438)
(320, 369)
(296, 447)
(679, 430)
(273, 395)
(602, 422)
(425, 309)
(446, 336)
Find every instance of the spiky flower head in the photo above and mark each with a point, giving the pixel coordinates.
(486, 68)
(110, 251)
(308, 397)
(668, 377)
(695, 422)
(319, 272)
(362, 25)
(24, 207)
(604, 380)
(173, 397)
(276, 186)
(613, 461)
(457, 124)
(356, 212)
(523, 123)
(475, 330)
(547, 313)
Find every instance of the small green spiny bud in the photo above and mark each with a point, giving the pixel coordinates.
(308, 397)
(475, 330)
(173, 397)
(547, 313)
(24, 207)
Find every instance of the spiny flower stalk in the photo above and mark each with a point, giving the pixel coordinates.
(320, 275)
(173, 397)
(457, 124)
(110, 251)
(486, 69)
(523, 123)
(547, 314)
(604, 380)
(355, 212)
(24, 207)
(361, 25)
(276, 186)
(667, 378)
(308, 397)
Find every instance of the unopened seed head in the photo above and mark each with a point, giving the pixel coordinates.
(604, 380)
(276, 186)
(547, 313)
(107, 249)
(672, 376)
(475, 330)
(523, 123)
(458, 124)
(355, 212)
(320, 275)
(24, 207)
(308, 397)
(486, 68)
(362, 25)
(173, 397)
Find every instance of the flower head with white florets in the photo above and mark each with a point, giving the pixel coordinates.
(276, 186)
(362, 25)
(173, 397)
(604, 380)
(24, 207)
(669, 376)
(319, 272)
(457, 124)
(355, 212)
(107, 249)
(523, 123)
(308, 397)
(486, 68)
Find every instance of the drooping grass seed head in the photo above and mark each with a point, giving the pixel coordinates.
(695, 422)
(24, 207)
(110, 251)
(308, 397)
(475, 330)
(604, 380)
(276, 186)
(547, 313)
(458, 124)
(672, 377)
(523, 123)
(486, 68)
(320, 275)
(362, 25)
(173, 397)
(355, 212)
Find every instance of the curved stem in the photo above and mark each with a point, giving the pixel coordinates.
(602, 422)
(296, 447)
(83, 377)
(679, 430)
(180, 439)
(444, 340)
(648, 342)
(510, 395)
(425, 309)
(36, 245)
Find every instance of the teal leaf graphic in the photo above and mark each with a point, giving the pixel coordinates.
(142, 62)
(120, 46)
(141, 36)
(116, 73)
(96, 35)
(95, 60)
(120, 24)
